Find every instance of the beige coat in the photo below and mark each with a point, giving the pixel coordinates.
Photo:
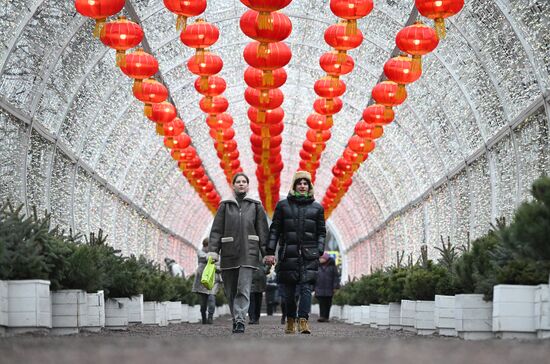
(239, 233)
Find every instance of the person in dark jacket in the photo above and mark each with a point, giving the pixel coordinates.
(328, 281)
(299, 227)
(259, 282)
(237, 238)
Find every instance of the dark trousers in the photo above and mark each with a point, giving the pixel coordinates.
(208, 303)
(255, 306)
(303, 291)
(324, 306)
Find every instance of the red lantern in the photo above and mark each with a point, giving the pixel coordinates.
(185, 9)
(173, 128)
(197, 173)
(368, 131)
(184, 154)
(230, 165)
(216, 86)
(267, 159)
(181, 141)
(214, 105)
(259, 116)
(439, 10)
(266, 8)
(313, 147)
(267, 131)
(207, 65)
(353, 157)
(351, 10)
(222, 134)
(279, 31)
(402, 70)
(265, 99)
(316, 136)
(257, 78)
(378, 115)
(337, 37)
(229, 155)
(327, 88)
(139, 66)
(121, 35)
(264, 143)
(319, 122)
(200, 35)
(417, 39)
(258, 150)
(324, 107)
(163, 112)
(361, 145)
(330, 63)
(99, 10)
(151, 92)
(385, 93)
(219, 121)
(278, 56)
(190, 165)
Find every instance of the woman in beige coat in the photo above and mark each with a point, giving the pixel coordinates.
(237, 239)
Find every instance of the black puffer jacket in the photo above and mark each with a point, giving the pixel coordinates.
(299, 226)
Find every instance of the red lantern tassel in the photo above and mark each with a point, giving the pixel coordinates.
(330, 121)
(160, 129)
(265, 21)
(264, 97)
(417, 64)
(329, 103)
(137, 85)
(181, 22)
(99, 23)
(263, 50)
(261, 116)
(334, 81)
(265, 143)
(341, 57)
(440, 28)
(388, 111)
(351, 27)
(208, 102)
(120, 58)
(319, 148)
(267, 78)
(203, 83)
(148, 110)
(401, 92)
(199, 53)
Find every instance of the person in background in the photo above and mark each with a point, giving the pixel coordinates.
(207, 297)
(237, 239)
(271, 293)
(328, 281)
(299, 227)
(259, 282)
(174, 268)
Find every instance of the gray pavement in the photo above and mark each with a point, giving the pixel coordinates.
(266, 343)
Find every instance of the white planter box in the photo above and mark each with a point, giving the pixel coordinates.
(356, 315)
(194, 314)
(542, 311)
(185, 312)
(315, 309)
(174, 312)
(424, 317)
(382, 317)
(336, 312)
(69, 311)
(96, 311)
(408, 312)
(155, 313)
(346, 314)
(473, 317)
(3, 307)
(29, 306)
(395, 316)
(514, 311)
(444, 315)
(372, 316)
(365, 315)
(116, 315)
(135, 308)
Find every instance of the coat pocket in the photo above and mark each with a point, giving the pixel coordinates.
(310, 253)
(254, 237)
(228, 239)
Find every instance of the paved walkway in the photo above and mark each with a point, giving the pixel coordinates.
(266, 343)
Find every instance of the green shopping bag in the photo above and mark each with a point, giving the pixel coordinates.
(209, 274)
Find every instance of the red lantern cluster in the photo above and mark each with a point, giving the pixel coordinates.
(342, 37)
(206, 65)
(121, 35)
(185, 9)
(438, 10)
(266, 56)
(99, 10)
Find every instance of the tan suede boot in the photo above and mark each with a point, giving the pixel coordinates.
(304, 328)
(290, 325)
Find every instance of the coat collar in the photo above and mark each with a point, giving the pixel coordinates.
(233, 200)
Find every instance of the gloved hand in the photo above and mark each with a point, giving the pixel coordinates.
(215, 257)
(269, 259)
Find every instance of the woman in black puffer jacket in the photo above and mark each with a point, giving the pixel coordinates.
(299, 226)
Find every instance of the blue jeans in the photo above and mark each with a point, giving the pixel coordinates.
(304, 296)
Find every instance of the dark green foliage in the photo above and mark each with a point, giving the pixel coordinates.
(183, 292)
(448, 254)
(126, 277)
(157, 285)
(421, 283)
(394, 290)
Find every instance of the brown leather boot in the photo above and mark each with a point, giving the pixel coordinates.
(303, 326)
(290, 325)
